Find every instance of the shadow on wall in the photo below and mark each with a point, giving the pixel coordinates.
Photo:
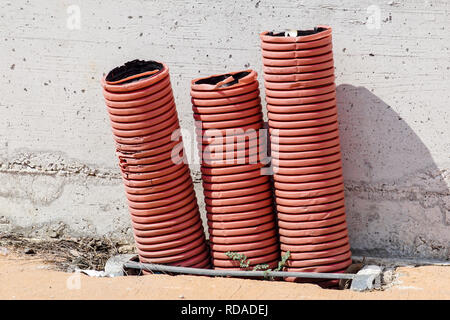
(395, 193)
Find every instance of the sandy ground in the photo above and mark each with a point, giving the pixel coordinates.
(30, 278)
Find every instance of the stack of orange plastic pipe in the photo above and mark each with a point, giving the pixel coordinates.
(238, 196)
(159, 189)
(302, 112)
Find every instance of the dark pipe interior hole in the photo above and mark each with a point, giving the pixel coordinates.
(300, 33)
(132, 68)
(216, 79)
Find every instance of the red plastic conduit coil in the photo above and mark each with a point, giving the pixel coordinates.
(239, 198)
(306, 158)
(159, 189)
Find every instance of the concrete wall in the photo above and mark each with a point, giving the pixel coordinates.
(58, 169)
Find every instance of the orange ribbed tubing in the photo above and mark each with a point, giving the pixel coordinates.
(238, 196)
(306, 157)
(160, 194)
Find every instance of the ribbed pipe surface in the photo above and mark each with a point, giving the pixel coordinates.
(306, 157)
(159, 189)
(238, 196)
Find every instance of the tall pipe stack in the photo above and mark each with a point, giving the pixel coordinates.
(309, 191)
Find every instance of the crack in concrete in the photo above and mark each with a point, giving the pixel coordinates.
(429, 188)
(40, 177)
(53, 163)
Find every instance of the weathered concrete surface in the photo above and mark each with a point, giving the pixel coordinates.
(58, 169)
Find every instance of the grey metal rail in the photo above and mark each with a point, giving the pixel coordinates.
(232, 273)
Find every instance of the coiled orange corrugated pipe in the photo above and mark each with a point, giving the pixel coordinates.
(159, 189)
(306, 157)
(238, 196)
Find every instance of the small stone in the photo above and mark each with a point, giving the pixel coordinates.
(125, 249)
(53, 234)
(56, 230)
(365, 278)
(123, 242)
(388, 277)
(181, 296)
(29, 251)
(75, 253)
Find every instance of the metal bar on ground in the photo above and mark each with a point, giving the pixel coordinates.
(232, 273)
